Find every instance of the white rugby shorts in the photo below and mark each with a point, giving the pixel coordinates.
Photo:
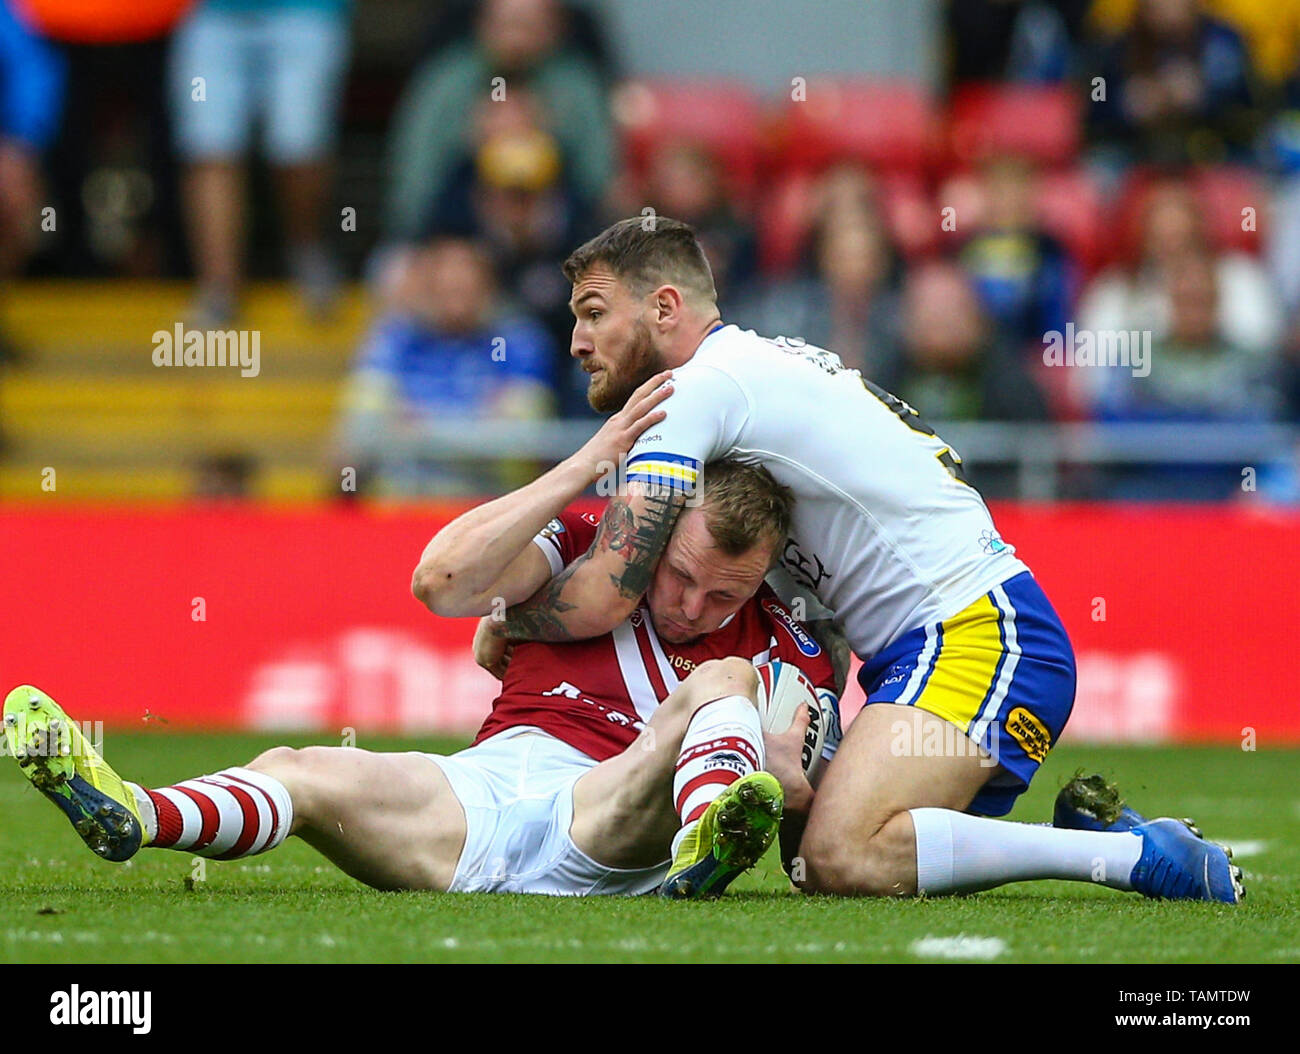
(517, 792)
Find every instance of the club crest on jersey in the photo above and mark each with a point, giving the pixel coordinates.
(802, 638)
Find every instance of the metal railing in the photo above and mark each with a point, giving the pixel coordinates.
(1038, 452)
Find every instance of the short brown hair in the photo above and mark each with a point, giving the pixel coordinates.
(743, 505)
(645, 252)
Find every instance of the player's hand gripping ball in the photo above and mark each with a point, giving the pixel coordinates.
(782, 689)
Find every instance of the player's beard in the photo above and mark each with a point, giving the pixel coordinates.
(639, 363)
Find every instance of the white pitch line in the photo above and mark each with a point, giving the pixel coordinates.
(959, 947)
(1244, 846)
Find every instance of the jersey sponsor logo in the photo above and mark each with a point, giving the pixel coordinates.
(551, 529)
(802, 638)
(991, 542)
(565, 690)
(1029, 732)
(617, 717)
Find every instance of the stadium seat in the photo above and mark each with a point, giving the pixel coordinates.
(88, 399)
(785, 217)
(1224, 191)
(1038, 122)
(888, 125)
(1070, 206)
(1227, 190)
(721, 115)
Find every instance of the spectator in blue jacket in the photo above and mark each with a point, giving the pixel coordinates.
(31, 100)
(449, 349)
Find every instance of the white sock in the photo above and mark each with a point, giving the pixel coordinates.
(148, 812)
(957, 853)
(723, 742)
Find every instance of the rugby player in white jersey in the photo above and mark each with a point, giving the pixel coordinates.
(953, 631)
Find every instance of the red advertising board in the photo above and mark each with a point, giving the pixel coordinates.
(1183, 618)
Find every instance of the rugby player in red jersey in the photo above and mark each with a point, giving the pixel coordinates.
(608, 766)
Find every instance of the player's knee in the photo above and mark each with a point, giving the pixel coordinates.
(714, 679)
(275, 762)
(850, 868)
(723, 677)
(298, 769)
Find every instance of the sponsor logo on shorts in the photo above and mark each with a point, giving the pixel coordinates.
(552, 529)
(1029, 732)
(802, 638)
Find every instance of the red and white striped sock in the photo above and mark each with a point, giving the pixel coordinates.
(232, 813)
(723, 742)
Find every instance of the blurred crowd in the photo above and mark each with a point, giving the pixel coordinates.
(1116, 166)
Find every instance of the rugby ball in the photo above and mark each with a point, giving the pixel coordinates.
(782, 689)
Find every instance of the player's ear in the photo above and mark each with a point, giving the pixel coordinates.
(667, 303)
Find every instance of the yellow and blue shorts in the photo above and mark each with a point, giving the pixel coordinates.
(1001, 670)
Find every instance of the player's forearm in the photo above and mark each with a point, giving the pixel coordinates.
(469, 555)
(602, 587)
(574, 605)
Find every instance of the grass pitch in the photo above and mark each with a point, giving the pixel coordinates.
(64, 905)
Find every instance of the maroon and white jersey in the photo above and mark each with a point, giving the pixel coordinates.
(597, 694)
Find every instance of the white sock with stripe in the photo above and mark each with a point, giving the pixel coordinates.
(957, 853)
(232, 813)
(723, 742)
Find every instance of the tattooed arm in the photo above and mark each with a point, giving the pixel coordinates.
(487, 554)
(603, 586)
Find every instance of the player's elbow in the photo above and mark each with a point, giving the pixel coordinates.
(438, 588)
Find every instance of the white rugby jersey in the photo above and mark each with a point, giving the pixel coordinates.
(885, 534)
